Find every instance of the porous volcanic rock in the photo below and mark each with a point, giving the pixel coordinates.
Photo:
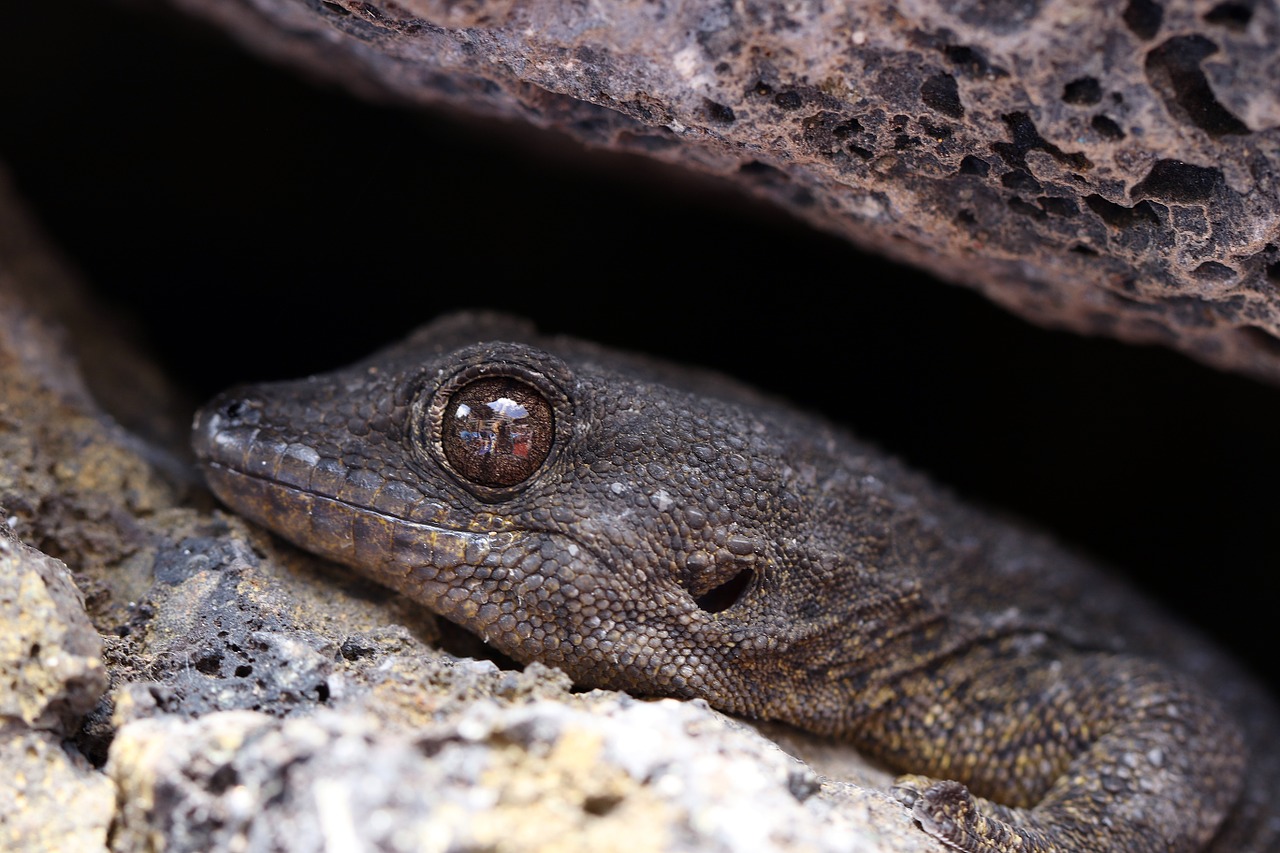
(1105, 167)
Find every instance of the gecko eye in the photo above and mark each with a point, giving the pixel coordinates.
(498, 423)
(496, 432)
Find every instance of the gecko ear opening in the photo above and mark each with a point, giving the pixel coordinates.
(726, 595)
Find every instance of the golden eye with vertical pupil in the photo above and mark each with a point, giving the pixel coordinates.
(497, 432)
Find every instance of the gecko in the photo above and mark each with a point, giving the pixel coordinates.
(667, 531)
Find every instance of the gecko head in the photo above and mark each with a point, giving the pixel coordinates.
(641, 526)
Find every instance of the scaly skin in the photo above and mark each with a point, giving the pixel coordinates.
(668, 532)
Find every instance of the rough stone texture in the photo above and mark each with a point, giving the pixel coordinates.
(260, 699)
(1107, 167)
(50, 798)
(51, 674)
(585, 773)
(50, 656)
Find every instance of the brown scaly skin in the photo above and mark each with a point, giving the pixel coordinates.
(686, 537)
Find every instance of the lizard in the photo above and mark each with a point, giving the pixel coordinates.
(669, 532)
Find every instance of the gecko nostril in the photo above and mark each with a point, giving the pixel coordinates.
(244, 410)
(727, 594)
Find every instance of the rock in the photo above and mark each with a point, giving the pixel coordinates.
(1108, 168)
(50, 655)
(50, 798)
(52, 668)
(587, 773)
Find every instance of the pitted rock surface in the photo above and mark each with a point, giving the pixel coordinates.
(50, 655)
(1109, 168)
(597, 772)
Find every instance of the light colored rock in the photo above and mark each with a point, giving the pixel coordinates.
(601, 773)
(50, 655)
(50, 798)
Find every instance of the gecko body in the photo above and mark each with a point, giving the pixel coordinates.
(666, 531)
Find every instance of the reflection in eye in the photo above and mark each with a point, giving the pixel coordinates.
(482, 431)
(500, 431)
